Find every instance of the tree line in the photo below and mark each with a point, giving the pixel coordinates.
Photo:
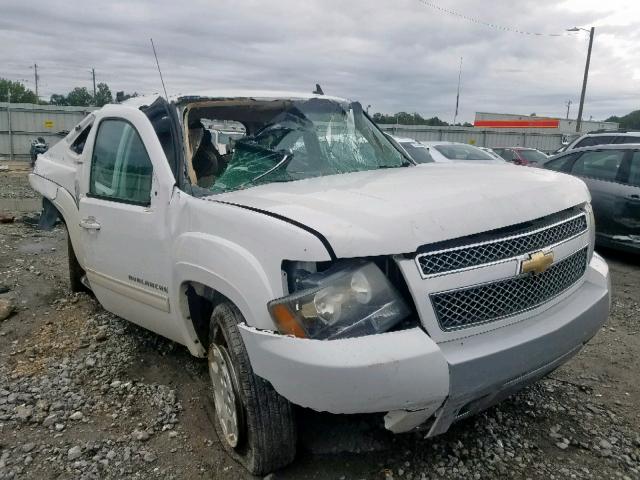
(81, 97)
(630, 121)
(404, 118)
(77, 97)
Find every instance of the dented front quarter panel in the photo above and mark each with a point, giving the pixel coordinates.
(402, 370)
(236, 252)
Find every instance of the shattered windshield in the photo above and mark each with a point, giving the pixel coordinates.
(305, 139)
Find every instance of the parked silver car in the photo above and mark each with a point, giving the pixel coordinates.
(612, 174)
(459, 152)
(416, 150)
(444, 152)
(602, 137)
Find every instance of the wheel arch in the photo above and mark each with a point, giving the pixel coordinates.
(66, 207)
(199, 291)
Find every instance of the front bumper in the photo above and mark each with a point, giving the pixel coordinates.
(411, 377)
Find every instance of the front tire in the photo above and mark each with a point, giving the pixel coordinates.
(255, 424)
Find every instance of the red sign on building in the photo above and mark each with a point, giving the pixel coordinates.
(533, 123)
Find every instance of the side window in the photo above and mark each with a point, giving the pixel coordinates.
(634, 169)
(562, 164)
(585, 142)
(627, 139)
(120, 166)
(602, 164)
(78, 144)
(509, 155)
(603, 140)
(595, 140)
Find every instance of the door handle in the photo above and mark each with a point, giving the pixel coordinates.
(634, 198)
(89, 224)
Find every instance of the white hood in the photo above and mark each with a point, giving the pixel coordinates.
(397, 210)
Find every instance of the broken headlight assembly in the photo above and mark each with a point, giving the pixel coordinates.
(349, 299)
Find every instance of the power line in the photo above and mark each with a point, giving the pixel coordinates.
(487, 24)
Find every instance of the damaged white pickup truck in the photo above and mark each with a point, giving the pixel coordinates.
(286, 239)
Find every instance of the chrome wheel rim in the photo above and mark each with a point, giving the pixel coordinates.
(224, 394)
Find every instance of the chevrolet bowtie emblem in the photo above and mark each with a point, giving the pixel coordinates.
(537, 262)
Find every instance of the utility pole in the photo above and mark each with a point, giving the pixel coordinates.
(586, 73)
(455, 115)
(568, 104)
(9, 123)
(93, 74)
(35, 68)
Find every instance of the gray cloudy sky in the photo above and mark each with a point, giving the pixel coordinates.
(394, 55)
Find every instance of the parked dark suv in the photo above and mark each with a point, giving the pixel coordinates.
(612, 174)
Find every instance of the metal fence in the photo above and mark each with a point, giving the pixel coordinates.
(481, 137)
(20, 123)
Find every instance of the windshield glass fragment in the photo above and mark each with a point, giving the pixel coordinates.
(282, 141)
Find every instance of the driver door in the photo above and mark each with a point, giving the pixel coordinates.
(123, 226)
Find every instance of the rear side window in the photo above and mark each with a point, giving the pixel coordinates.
(596, 140)
(120, 166)
(627, 139)
(562, 164)
(603, 164)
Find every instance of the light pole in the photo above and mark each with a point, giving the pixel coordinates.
(586, 72)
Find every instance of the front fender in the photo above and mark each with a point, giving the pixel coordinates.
(230, 270)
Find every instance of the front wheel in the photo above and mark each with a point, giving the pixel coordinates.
(255, 424)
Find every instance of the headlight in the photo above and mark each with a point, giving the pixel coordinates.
(347, 300)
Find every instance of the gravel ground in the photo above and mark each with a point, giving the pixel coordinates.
(84, 394)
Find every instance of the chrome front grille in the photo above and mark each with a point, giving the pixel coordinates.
(489, 302)
(528, 239)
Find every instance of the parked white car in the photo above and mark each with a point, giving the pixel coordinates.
(314, 264)
(418, 152)
(447, 152)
